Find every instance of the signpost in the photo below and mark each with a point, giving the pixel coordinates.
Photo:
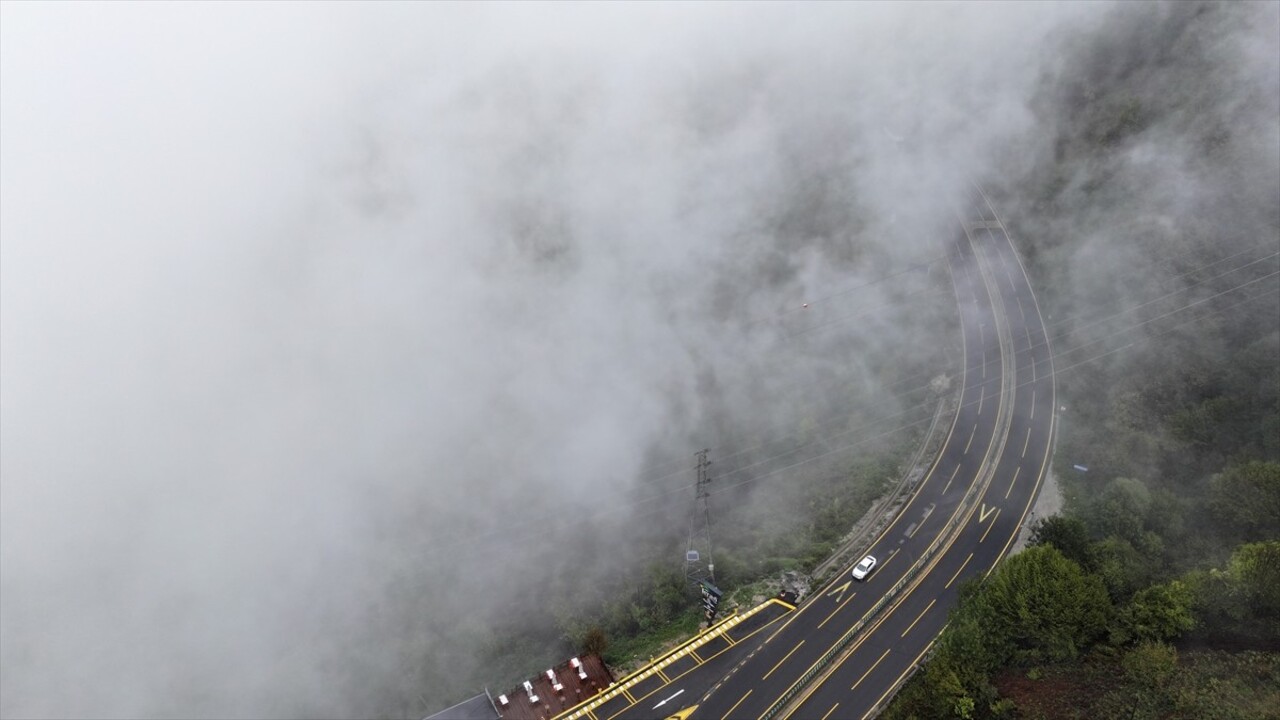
(710, 600)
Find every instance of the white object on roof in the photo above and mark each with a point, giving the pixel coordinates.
(555, 684)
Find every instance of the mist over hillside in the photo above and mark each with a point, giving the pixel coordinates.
(333, 336)
(1152, 224)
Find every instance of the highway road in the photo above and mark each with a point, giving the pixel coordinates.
(998, 317)
(978, 439)
(882, 657)
(842, 652)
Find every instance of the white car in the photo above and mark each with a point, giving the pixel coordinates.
(863, 568)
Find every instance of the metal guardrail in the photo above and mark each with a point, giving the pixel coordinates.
(648, 670)
(852, 633)
(878, 516)
(929, 651)
(951, 528)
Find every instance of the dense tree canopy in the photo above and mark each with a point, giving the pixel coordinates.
(1041, 606)
(1245, 500)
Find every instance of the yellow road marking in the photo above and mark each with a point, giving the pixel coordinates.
(680, 649)
(663, 675)
(953, 477)
(893, 524)
(955, 420)
(953, 577)
(1026, 442)
(1011, 482)
(971, 434)
(725, 635)
(610, 694)
(684, 714)
(592, 715)
(894, 684)
(833, 612)
(993, 524)
(868, 672)
(786, 605)
(735, 706)
(867, 632)
(833, 709)
(840, 589)
(784, 659)
(886, 560)
(913, 622)
(1053, 421)
(628, 696)
(653, 692)
(696, 656)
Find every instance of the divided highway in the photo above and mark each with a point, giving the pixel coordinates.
(843, 652)
(882, 658)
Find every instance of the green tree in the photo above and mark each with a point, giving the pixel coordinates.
(1155, 614)
(595, 642)
(1256, 568)
(1245, 500)
(1148, 668)
(1120, 566)
(1216, 599)
(1068, 534)
(1121, 510)
(1243, 599)
(1039, 606)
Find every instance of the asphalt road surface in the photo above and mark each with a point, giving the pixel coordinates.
(961, 520)
(882, 657)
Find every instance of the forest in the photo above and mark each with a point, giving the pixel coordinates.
(1161, 297)
(1156, 593)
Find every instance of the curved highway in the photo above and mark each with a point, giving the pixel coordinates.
(883, 657)
(843, 652)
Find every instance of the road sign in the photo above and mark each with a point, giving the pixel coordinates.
(710, 599)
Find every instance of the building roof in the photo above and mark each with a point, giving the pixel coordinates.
(554, 697)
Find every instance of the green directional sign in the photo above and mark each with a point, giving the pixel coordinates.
(710, 599)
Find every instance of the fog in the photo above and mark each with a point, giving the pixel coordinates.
(328, 332)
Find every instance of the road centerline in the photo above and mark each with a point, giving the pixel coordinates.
(784, 657)
(922, 614)
(868, 672)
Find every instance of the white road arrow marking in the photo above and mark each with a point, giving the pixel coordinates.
(664, 702)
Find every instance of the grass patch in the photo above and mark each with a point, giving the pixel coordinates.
(628, 652)
(1204, 684)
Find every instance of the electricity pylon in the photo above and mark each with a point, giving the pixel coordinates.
(698, 562)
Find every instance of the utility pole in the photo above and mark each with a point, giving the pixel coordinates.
(699, 565)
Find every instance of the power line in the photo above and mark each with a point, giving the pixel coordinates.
(1032, 347)
(1015, 387)
(620, 506)
(915, 377)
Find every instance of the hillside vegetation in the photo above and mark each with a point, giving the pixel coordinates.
(1152, 228)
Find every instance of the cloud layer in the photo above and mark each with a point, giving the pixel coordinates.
(326, 327)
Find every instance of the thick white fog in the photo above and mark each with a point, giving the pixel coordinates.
(323, 325)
